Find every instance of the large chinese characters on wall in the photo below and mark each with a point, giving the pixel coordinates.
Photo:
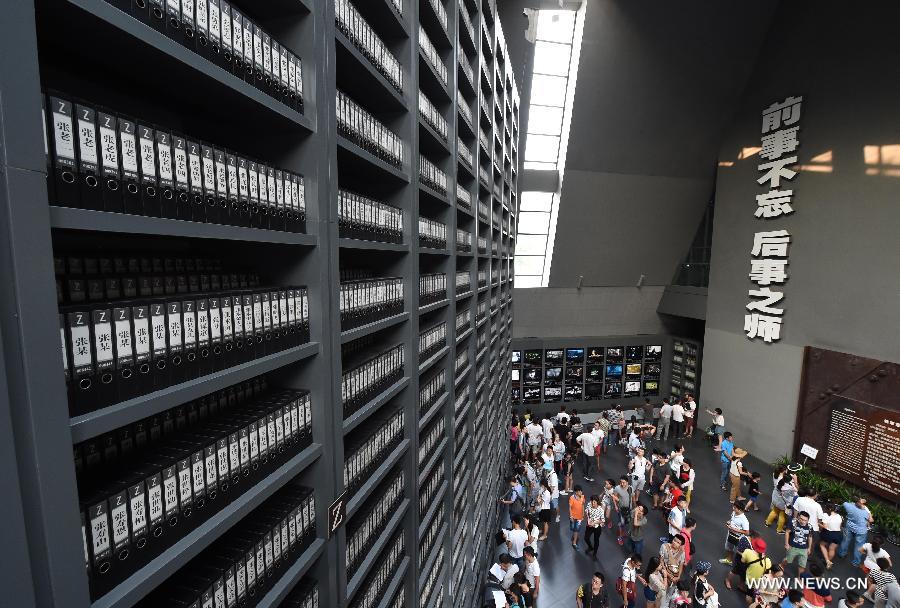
(850, 411)
(768, 266)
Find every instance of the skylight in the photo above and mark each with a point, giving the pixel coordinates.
(557, 51)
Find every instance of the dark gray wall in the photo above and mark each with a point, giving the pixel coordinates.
(657, 85)
(844, 287)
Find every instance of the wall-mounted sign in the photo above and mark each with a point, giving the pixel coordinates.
(768, 265)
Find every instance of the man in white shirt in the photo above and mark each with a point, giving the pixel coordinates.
(808, 503)
(532, 572)
(503, 571)
(665, 420)
(553, 482)
(516, 539)
(638, 467)
(689, 408)
(588, 443)
(562, 417)
(677, 419)
(547, 428)
(535, 433)
(676, 516)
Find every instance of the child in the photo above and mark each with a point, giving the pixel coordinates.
(752, 490)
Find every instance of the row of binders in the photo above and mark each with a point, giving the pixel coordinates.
(463, 281)
(431, 536)
(114, 351)
(363, 457)
(120, 448)
(432, 116)
(463, 320)
(369, 524)
(222, 34)
(432, 288)
(360, 384)
(360, 217)
(98, 278)
(381, 577)
(432, 56)
(429, 488)
(463, 197)
(304, 595)
(243, 565)
(429, 595)
(184, 479)
(464, 153)
(431, 438)
(463, 240)
(431, 176)
(108, 162)
(432, 234)
(461, 363)
(363, 129)
(363, 37)
(369, 300)
(432, 340)
(431, 391)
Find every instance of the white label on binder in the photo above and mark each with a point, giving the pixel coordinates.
(129, 148)
(81, 350)
(87, 141)
(190, 328)
(119, 515)
(108, 145)
(138, 512)
(103, 338)
(155, 502)
(148, 160)
(209, 171)
(62, 132)
(175, 334)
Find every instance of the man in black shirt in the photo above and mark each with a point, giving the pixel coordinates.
(593, 594)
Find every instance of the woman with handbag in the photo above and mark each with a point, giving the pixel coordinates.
(657, 582)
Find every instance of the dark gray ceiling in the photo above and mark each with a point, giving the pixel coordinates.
(657, 86)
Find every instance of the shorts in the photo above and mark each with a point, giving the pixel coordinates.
(574, 525)
(795, 553)
(638, 483)
(545, 515)
(554, 503)
(831, 537)
(649, 594)
(719, 429)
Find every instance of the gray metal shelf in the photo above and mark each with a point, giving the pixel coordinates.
(306, 142)
(363, 569)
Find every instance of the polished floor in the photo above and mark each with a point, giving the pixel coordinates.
(563, 568)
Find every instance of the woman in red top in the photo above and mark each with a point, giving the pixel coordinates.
(690, 524)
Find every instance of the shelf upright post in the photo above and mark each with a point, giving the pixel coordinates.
(30, 334)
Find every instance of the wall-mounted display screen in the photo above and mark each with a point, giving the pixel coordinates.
(553, 356)
(634, 353)
(531, 394)
(574, 355)
(574, 373)
(515, 393)
(596, 372)
(593, 391)
(532, 357)
(574, 392)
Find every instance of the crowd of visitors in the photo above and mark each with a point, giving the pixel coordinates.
(562, 457)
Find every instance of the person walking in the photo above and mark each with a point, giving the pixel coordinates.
(576, 514)
(592, 594)
(830, 534)
(782, 498)
(638, 467)
(718, 425)
(736, 527)
(532, 573)
(626, 586)
(638, 521)
(559, 452)
(657, 582)
(545, 508)
(725, 457)
(677, 419)
(798, 542)
(594, 517)
(568, 470)
(736, 473)
(705, 595)
(686, 480)
(588, 442)
(665, 421)
(690, 415)
(856, 528)
(622, 497)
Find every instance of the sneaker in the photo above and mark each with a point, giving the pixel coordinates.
(563, 492)
(557, 519)
(722, 487)
(767, 524)
(725, 561)
(779, 531)
(591, 479)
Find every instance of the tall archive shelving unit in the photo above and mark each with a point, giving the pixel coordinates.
(349, 448)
